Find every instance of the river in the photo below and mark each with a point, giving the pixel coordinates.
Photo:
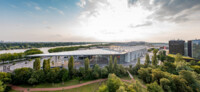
(44, 49)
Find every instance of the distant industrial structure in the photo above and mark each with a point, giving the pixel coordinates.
(191, 48)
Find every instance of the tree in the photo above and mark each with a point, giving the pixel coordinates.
(96, 71)
(5, 77)
(36, 64)
(52, 75)
(63, 75)
(87, 64)
(113, 83)
(154, 58)
(190, 77)
(145, 74)
(37, 77)
(1, 86)
(182, 65)
(103, 88)
(180, 84)
(46, 66)
(158, 74)
(154, 61)
(138, 63)
(169, 67)
(21, 75)
(71, 66)
(137, 67)
(162, 55)
(115, 68)
(147, 60)
(33, 51)
(178, 58)
(110, 65)
(104, 72)
(154, 87)
(121, 89)
(165, 84)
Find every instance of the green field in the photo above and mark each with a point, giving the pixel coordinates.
(50, 85)
(87, 88)
(13, 91)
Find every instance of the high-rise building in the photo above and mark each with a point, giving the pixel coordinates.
(194, 49)
(177, 46)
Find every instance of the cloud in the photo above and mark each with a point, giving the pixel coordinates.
(37, 8)
(58, 10)
(148, 23)
(170, 10)
(82, 3)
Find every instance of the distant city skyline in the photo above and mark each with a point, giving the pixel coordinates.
(99, 20)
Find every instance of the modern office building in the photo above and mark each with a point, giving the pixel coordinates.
(194, 49)
(177, 46)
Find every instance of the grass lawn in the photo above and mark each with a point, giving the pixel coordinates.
(87, 88)
(49, 85)
(13, 91)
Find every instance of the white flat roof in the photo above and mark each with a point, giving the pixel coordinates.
(81, 52)
(92, 52)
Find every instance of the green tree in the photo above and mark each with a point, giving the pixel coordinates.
(36, 64)
(37, 77)
(71, 66)
(121, 89)
(137, 67)
(145, 74)
(113, 83)
(1, 86)
(154, 58)
(46, 66)
(115, 68)
(191, 79)
(180, 84)
(110, 64)
(21, 75)
(104, 72)
(63, 75)
(154, 87)
(5, 77)
(178, 58)
(162, 55)
(169, 67)
(52, 75)
(87, 64)
(96, 71)
(182, 65)
(103, 88)
(165, 84)
(147, 60)
(33, 51)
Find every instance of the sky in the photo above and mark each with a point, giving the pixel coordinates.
(99, 20)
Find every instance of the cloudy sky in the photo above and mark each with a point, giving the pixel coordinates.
(99, 20)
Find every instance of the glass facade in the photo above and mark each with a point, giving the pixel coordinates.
(196, 49)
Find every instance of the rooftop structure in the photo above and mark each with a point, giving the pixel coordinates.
(123, 54)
